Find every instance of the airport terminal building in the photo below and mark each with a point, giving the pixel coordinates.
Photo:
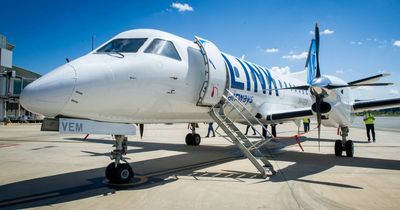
(12, 80)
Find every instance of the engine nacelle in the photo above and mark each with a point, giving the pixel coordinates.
(325, 107)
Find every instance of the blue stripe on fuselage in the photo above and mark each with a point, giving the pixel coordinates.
(234, 84)
(268, 76)
(246, 73)
(270, 80)
(257, 74)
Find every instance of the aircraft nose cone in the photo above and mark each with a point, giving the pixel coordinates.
(49, 94)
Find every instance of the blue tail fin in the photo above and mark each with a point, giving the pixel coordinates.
(312, 62)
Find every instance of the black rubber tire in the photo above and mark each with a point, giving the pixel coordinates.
(110, 172)
(338, 148)
(349, 148)
(189, 139)
(123, 173)
(196, 139)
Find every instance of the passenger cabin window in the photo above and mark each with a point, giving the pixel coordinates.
(123, 45)
(163, 47)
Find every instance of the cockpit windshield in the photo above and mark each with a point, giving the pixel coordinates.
(123, 45)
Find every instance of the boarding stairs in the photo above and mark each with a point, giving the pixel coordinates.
(231, 106)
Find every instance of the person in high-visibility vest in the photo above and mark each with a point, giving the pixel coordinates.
(369, 124)
(306, 124)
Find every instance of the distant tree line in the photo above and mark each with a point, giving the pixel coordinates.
(384, 112)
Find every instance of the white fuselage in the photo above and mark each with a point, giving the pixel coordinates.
(144, 87)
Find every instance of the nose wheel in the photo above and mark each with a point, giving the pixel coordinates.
(120, 174)
(117, 172)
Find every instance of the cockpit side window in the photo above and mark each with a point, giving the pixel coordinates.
(123, 45)
(163, 47)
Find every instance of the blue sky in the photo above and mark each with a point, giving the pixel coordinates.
(360, 37)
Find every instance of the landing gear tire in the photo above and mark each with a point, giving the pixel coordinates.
(349, 148)
(188, 139)
(196, 139)
(121, 174)
(110, 171)
(193, 139)
(338, 148)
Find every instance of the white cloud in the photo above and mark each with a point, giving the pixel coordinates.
(182, 7)
(396, 43)
(281, 70)
(272, 50)
(339, 72)
(293, 56)
(327, 32)
(324, 32)
(357, 43)
(384, 72)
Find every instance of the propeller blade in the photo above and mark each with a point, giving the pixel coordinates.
(318, 101)
(318, 73)
(141, 129)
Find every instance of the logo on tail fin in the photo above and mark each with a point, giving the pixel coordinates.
(311, 63)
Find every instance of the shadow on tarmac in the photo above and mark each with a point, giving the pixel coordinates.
(88, 183)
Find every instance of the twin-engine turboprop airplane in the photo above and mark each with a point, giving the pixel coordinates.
(148, 76)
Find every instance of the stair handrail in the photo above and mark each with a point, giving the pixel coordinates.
(249, 113)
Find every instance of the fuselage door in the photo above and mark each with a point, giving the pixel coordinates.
(215, 80)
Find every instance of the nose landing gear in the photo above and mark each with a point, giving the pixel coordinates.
(193, 139)
(344, 144)
(117, 172)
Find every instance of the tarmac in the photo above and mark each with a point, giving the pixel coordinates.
(46, 170)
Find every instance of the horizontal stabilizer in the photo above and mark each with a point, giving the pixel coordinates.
(361, 106)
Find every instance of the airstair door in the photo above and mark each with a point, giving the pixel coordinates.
(216, 73)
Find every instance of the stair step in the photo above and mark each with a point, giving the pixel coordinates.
(249, 149)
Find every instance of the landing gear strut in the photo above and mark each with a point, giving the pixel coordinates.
(117, 172)
(344, 145)
(193, 139)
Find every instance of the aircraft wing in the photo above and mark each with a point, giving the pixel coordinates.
(360, 106)
(285, 115)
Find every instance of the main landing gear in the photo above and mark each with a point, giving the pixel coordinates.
(117, 172)
(344, 145)
(193, 139)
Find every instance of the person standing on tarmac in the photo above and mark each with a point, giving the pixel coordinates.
(369, 124)
(306, 124)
